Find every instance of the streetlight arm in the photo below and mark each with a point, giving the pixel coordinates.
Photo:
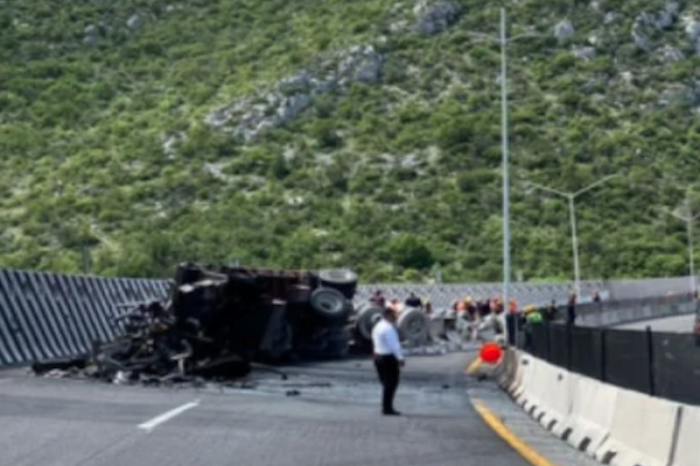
(550, 190)
(679, 216)
(525, 36)
(486, 37)
(490, 38)
(595, 185)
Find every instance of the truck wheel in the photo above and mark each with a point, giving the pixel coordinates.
(367, 316)
(330, 305)
(342, 280)
(414, 326)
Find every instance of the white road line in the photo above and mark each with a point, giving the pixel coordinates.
(165, 417)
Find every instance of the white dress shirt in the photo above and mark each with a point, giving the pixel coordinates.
(385, 339)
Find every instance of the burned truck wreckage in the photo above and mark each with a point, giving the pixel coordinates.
(217, 321)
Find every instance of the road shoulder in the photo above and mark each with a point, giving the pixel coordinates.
(537, 445)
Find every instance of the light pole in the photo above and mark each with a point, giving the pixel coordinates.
(504, 40)
(689, 229)
(571, 196)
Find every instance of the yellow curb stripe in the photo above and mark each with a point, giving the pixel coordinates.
(509, 437)
(475, 364)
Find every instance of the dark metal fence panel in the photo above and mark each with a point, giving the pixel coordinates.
(677, 367)
(46, 316)
(627, 359)
(586, 352)
(559, 345)
(539, 341)
(661, 364)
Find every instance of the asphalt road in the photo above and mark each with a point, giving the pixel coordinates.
(681, 324)
(332, 419)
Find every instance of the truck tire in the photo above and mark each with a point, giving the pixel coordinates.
(330, 305)
(343, 280)
(368, 315)
(338, 343)
(414, 326)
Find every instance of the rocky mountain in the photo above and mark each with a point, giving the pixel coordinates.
(138, 133)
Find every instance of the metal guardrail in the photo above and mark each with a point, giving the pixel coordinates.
(46, 316)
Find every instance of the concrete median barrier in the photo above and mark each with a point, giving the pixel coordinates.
(560, 400)
(525, 396)
(506, 369)
(552, 393)
(512, 387)
(686, 452)
(641, 432)
(617, 426)
(592, 409)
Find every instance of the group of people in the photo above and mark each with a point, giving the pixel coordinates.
(472, 318)
(412, 301)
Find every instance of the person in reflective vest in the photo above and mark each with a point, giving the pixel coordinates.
(532, 315)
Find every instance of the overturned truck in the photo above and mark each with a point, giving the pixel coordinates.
(216, 321)
(266, 315)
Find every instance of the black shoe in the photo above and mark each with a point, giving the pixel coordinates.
(391, 413)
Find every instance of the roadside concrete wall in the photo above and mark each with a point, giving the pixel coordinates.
(616, 426)
(609, 313)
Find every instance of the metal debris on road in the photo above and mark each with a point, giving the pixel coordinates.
(217, 321)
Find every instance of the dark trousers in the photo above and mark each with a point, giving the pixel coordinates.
(388, 371)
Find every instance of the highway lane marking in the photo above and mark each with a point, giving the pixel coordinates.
(525, 450)
(475, 364)
(165, 417)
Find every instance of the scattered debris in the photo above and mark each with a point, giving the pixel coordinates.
(218, 324)
(217, 321)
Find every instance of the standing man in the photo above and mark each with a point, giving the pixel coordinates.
(388, 359)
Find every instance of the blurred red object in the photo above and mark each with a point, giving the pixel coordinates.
(490, 353)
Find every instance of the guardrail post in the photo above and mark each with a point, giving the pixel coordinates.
(650, 361)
